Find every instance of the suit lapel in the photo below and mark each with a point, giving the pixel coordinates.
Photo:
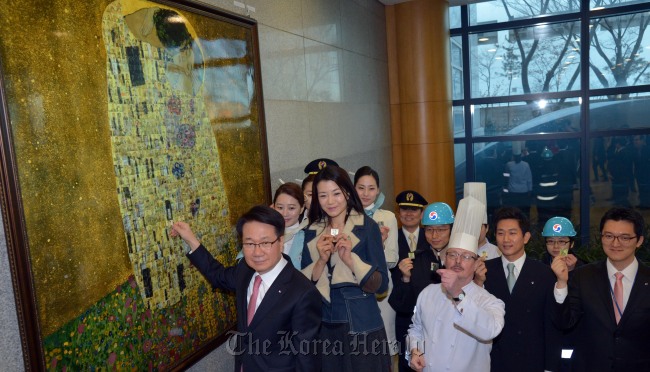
(402, 244)
(498, 278)
(273, 295)
(244, 282)
(422, 240)
(639, 291)
(525, 279)
(603, 288)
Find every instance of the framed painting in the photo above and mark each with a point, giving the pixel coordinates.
(119, 117)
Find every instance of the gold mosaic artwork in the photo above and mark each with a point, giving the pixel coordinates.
(110, 150)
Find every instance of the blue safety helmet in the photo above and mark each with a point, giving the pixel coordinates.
(437, 214)
(558, 226)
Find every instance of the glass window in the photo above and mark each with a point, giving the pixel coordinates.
(619, 176)
(509, 10)
(619, 112)
(619, 51)
(543, 58)
(536, 58)
(458, 118)
(602, 4)
(460, 169)
(620, 171)
(514, 118)
(540, 177)
(454, 17)
(456, 49)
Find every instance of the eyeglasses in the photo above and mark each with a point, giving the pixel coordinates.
(454, 256)
(437, 231)
(561, 243)
(263, 245)
(623, 239)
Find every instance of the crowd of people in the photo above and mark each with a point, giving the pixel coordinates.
(329, 281)
(546, 173)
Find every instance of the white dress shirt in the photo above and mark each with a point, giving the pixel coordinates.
(629, 273)
(519, 263)
(267, 280)
(407, 233)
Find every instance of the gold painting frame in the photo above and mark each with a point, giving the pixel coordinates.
(120, 118)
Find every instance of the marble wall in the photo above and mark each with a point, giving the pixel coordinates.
(325, 84)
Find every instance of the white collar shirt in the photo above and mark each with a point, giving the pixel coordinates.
(267, 280)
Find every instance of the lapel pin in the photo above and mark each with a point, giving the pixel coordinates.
(532, 282)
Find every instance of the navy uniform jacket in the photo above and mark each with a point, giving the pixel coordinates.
(291, 304)
(403, 245)
(601, 344)
(529, 340)
(405, 295)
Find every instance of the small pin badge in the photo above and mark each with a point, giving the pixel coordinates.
(532, 282)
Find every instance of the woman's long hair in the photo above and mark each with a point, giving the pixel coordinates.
(340, 177)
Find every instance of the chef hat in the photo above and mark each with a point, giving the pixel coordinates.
(467, 225)
(477, 191)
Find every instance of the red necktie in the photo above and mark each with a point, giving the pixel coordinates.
(253, 300)
(618, 296)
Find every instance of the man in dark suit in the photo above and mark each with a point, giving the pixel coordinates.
(609, 301)
(410, 239)
(278, 308)
(529, 341)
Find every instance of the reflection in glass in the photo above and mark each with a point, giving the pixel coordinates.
(454, 17)
(619, 176)
(620, 171)
(619, 112)
(458, 118)
(543, 58)
(509, 10)
(543, 116)
(540, 177)
(456, 48)
(619, 51)
(460, 175)
(602, 4)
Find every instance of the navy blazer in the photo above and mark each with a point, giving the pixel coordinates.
(529, 340)
(601, 344)
(288, 317)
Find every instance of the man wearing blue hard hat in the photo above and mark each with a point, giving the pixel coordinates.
(559, 236)
(418, 270)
